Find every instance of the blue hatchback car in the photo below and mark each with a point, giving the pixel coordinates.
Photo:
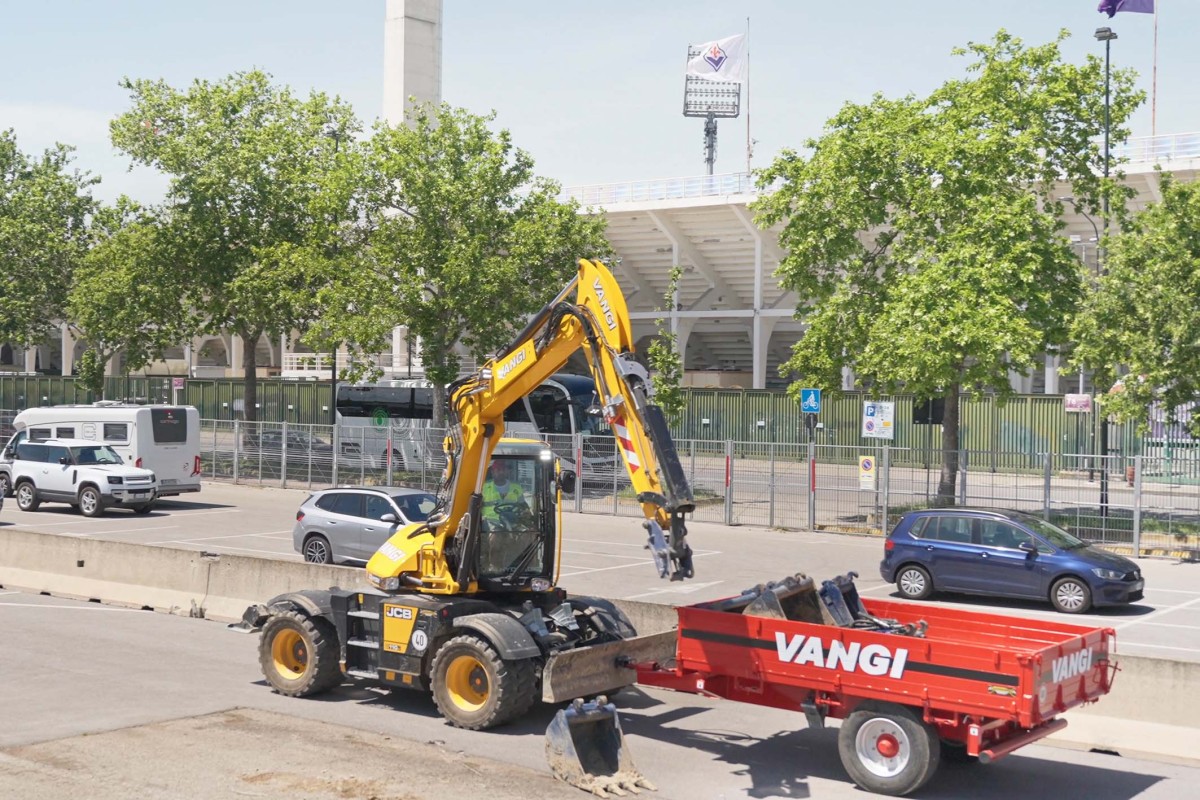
(1004, 554)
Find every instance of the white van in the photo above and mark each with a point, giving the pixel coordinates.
(164, 439)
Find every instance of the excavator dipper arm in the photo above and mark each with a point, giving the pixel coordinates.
(597, 322)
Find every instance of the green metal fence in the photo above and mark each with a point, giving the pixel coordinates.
(1020, 429)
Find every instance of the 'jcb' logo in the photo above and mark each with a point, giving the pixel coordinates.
(397, 612)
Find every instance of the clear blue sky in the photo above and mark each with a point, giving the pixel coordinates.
(592, 90)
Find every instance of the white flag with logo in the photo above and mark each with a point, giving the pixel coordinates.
(722, 60)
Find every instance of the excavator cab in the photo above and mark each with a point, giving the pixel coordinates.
(518, 526)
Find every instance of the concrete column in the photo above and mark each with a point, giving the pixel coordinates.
(412, 56)
(236, 357)
(189, 358)
(1052, 376)
(68, 348)
(399, 351)
(31, 358)
(1020, 384)
(683, 332)
(847, 379)
(760, 340)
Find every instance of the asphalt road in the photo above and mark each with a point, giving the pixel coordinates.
(109, 704)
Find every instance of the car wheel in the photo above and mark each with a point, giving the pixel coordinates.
(90, 503)
(1071, 595)
(5, 485)
(914, 582)
(27, 499)
(317, 550)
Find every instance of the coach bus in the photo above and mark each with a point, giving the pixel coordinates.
(400, 412)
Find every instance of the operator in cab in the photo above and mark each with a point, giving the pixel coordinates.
(500, 492)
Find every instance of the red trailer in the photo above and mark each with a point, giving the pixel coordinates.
(912, 682)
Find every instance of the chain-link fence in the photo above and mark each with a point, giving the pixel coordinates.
(1143, 504)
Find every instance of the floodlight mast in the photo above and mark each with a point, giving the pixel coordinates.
(710, 100)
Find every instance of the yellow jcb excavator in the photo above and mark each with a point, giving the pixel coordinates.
(465, 604)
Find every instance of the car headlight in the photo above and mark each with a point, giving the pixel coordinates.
(115, 479)
(386, 584)
(1108, 574)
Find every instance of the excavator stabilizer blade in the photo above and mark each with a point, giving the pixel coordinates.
(586, 748)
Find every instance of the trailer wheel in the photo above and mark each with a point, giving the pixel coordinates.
(299, 654)
(1071, 595)
(27, 499)
(914, 582)
(476, 689)
(887, 750)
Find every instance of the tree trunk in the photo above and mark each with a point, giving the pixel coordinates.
(439, 406)
(250, 363)
(948, 481)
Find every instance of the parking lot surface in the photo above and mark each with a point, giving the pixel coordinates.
(605, 555)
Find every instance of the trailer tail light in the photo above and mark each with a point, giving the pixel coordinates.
(138, 463)
(196, 465)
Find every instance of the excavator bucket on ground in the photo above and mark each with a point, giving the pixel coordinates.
(585, 748)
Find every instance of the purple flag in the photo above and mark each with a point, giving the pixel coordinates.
(1112, 7)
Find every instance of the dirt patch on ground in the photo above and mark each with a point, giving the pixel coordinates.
(251, 753)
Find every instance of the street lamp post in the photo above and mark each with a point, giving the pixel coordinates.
(336, 134)
(1096, 239)
(1107, 36)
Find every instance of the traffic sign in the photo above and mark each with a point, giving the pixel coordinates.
(877, 421)
(810, 401)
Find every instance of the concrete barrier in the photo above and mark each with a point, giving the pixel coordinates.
(186, 582)
(1152, 711)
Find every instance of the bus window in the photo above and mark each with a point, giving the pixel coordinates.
(551, 410)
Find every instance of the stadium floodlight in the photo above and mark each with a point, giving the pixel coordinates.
(711, 100)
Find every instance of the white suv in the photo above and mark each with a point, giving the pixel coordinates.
(85, 474)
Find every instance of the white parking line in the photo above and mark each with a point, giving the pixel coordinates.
(1159, 613)
(624, 566)
(119, 530)
(1122, 645)
(214, 538)
(606, 555)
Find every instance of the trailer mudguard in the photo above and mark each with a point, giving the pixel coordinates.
(508, 635)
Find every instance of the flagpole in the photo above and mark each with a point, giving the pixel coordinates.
(749, 149)
(1154, 80)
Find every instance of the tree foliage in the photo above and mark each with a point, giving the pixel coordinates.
(1144, 316)
(44, 214)
(126, 294)
(261, 188)
(665, 361)
(465, 242)
(925, 233)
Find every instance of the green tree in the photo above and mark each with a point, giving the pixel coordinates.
(925, 235)
(44, 213)
(261, 187)
(664, 358)
(465, 243)
(126, 294)
(1145, 313)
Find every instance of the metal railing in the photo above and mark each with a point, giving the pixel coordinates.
(1137, 504)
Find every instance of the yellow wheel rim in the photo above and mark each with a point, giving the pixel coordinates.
(467, 683)
(290, 654)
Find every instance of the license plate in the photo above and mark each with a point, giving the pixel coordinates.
(139, 494)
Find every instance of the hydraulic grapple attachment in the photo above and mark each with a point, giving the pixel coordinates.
(585, 748)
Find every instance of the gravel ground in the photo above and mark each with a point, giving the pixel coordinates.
(221, 756)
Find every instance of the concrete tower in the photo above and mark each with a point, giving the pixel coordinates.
(412, 55)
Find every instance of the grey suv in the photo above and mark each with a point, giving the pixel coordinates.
(350, 524)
